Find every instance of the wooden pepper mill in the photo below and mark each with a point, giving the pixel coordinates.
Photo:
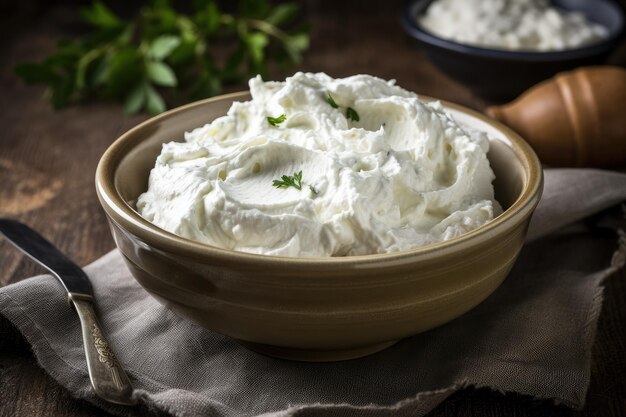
(577, 118)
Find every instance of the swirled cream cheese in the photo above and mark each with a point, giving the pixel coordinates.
(404, 174)
(531, 25)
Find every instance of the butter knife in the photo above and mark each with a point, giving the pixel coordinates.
(107, 376)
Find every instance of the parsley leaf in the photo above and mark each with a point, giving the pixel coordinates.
(352, 114)
(287, 181)
(275, 121)
(331, 101)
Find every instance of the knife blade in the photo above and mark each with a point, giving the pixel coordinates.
(41, 251)
(108, 378)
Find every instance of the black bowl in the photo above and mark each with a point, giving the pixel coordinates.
(500, 75)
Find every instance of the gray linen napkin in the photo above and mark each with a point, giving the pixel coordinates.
(533, 335)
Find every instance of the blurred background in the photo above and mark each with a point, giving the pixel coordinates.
(344, 38)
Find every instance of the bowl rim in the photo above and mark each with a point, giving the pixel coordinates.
(119, 211)
(415, 30)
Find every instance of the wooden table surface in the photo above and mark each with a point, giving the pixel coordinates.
(48, 160)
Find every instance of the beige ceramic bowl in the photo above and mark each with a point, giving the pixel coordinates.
(314, 309)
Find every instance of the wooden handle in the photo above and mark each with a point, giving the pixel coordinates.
(107, 376)
(574, 119)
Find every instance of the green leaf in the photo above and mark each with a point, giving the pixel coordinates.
(97, 73)
(35, 73)
(295, 45)
(283, 13)
(83, 66)
(154, 101)
(299, 41)
(159, 21)
(351, 114)
(187, 28)
(257, 42)
(163, 46)
(287, 181)
(99, 15)
(208, 17)
(126, 69)
(160, 73)
(135, 99)
(330, 100)
(126, 35)
(184, 53)
(275, 121)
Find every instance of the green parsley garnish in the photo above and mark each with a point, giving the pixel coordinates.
(331, 101)
(352, 114)
(287, 181)
(275, 121)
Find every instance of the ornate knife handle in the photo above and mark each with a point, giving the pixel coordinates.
(107, 376)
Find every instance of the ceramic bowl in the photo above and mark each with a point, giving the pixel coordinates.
(314, 309)
(501, 75)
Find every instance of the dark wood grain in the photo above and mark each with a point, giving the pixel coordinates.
(48, 160)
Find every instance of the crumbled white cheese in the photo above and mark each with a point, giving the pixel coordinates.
(530, 25)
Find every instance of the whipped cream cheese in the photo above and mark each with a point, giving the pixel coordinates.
(404, 174)
(531, 25)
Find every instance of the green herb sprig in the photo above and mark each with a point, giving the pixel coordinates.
(352, 114)
(330, 100)
(287, 181)
(275, 121)
(163, 51)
